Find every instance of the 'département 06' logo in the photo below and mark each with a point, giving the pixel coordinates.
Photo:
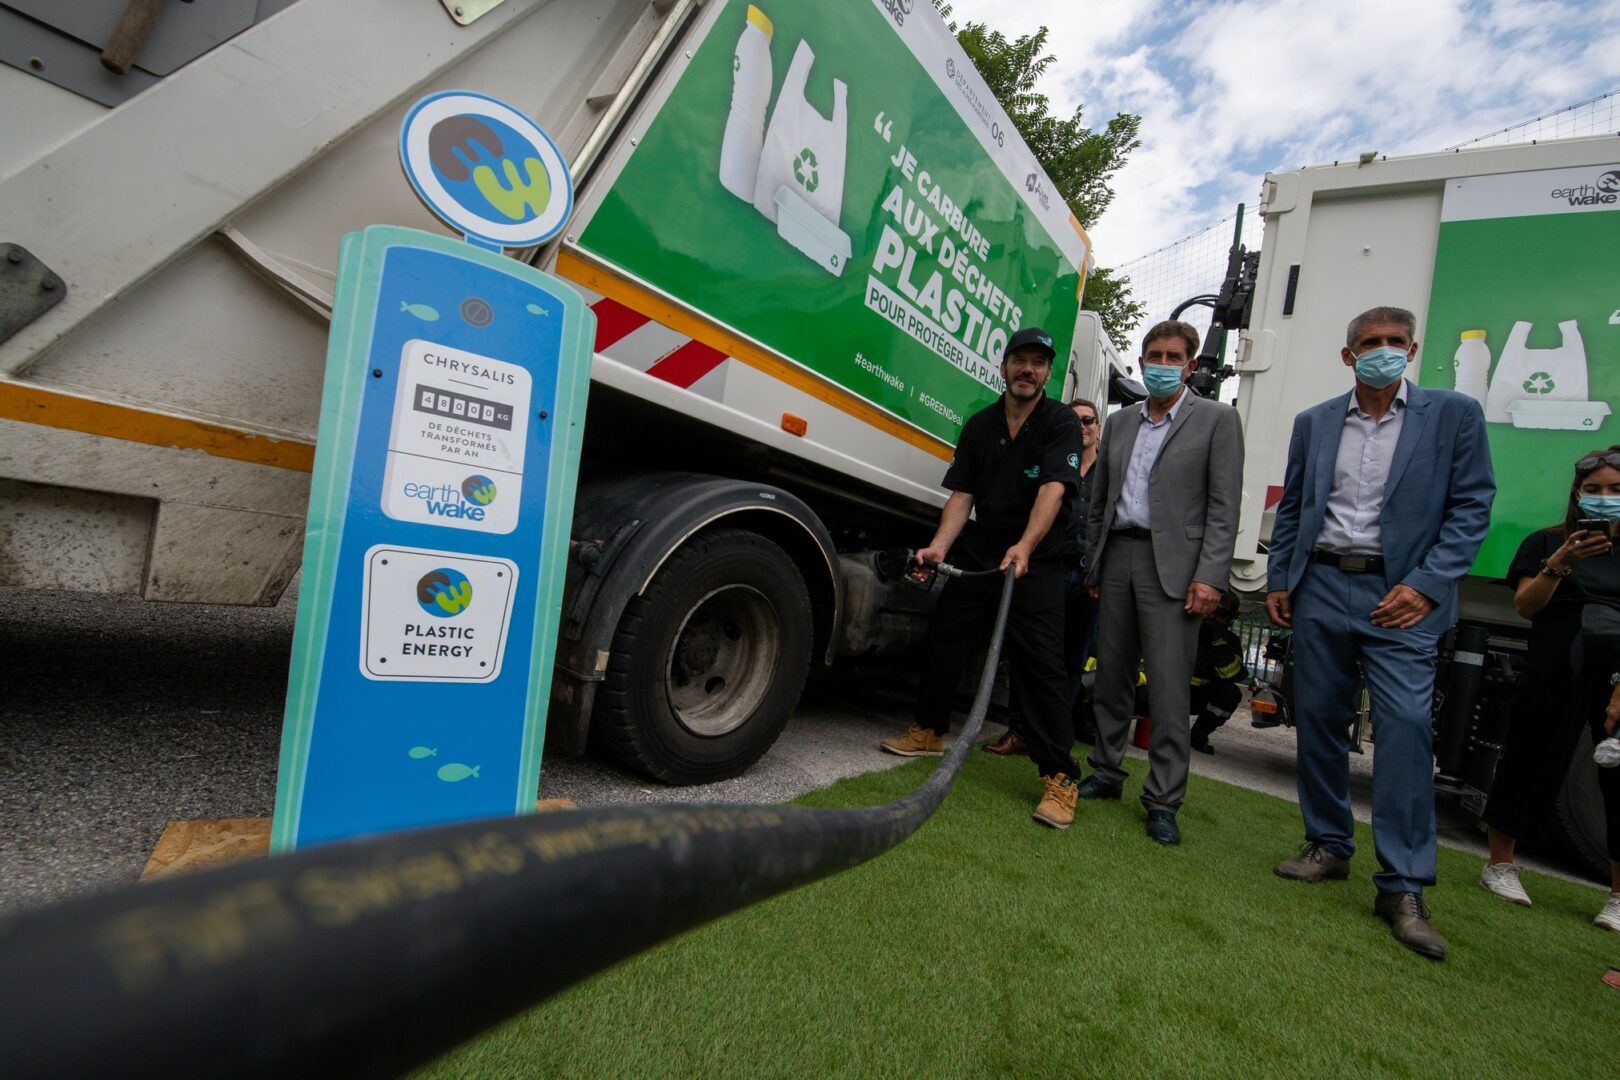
(444, 592)
(486, 169)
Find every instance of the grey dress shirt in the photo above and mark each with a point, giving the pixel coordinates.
(1350, 521)
(1132, 507)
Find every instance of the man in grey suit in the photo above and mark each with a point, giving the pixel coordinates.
(1164, 517)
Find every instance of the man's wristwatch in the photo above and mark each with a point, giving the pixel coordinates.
(1551, 571)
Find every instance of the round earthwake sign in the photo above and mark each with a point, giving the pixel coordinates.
(486, 169)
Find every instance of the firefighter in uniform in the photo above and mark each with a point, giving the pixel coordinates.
(1217, 673)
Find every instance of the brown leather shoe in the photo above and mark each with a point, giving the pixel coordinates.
(1313, 864)
(1408, 918)
(1056, 807)
(1006, 746)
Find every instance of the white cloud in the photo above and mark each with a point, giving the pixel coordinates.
(1230, 89)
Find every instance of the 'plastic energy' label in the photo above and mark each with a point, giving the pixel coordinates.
(434, 616)
(455, 450)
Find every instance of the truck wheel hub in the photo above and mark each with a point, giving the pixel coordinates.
(722, 660)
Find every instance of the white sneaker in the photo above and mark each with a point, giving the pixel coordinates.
(1609, 917)
(1503, 880)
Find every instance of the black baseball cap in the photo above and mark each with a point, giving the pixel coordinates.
(1031, 335)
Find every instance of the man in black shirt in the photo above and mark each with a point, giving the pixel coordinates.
(1017, 467)
(1080, 610)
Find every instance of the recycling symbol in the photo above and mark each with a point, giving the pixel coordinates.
(1539, 383)
(804, 169)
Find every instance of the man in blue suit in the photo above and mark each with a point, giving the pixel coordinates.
(1386, 499)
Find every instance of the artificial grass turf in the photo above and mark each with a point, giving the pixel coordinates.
(987, 944)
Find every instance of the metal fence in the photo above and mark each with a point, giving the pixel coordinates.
(1594, 116)
(1254, 631)
(1196, 263)
(1191, 266)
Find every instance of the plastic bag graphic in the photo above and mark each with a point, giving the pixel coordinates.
(1543, 388)
(803, 149)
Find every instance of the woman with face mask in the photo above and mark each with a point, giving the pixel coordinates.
(1566, 581)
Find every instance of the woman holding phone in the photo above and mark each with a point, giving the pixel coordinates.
(1566, 581)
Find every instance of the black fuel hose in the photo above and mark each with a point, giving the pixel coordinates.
(365, 958)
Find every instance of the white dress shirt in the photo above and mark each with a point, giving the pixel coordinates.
(1350, 522)
(1132, 506)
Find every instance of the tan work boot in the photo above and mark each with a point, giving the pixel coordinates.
(1408, 918)
(1056, 807)
(918, 742)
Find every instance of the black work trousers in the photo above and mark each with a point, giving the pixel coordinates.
(1034, 649)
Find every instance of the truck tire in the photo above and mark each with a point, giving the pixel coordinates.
(1578, 821)
(708, 662)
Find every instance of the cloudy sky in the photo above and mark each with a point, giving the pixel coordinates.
(1230, 89)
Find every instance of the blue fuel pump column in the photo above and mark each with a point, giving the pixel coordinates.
(435, 548)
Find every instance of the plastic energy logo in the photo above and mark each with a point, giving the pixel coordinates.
(486, 169)
(444, 592)
(485, 165)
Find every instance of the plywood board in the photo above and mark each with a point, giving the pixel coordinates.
(195, 845)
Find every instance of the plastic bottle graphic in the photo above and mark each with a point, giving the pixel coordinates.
(750, 97)
(1473, 365)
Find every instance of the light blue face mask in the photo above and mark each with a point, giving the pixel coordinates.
(1380, 367)
(1606, 507)
(1162, 380)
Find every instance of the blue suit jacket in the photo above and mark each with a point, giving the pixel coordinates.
(1437, 502)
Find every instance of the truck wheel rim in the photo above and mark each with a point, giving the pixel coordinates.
(722, 661)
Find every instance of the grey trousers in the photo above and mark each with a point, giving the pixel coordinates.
(1140, 626)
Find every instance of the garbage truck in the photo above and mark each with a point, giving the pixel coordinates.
(1506, 255)
(806, 232)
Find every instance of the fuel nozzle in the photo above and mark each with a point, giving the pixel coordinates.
(900, 564)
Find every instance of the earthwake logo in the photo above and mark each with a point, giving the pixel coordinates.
(465, 503)
(478, 489)
(897, 9)
(1604, 192)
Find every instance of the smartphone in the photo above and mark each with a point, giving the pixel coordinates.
(1596, 525)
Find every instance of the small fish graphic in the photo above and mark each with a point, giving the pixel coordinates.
(420, 752)
(455, 772)
(421, 311)
(536, 309)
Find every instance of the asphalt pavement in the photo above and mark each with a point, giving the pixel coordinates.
(120, 716)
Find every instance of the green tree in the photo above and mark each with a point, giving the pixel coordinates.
(1080, 160)
(1110, 298)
